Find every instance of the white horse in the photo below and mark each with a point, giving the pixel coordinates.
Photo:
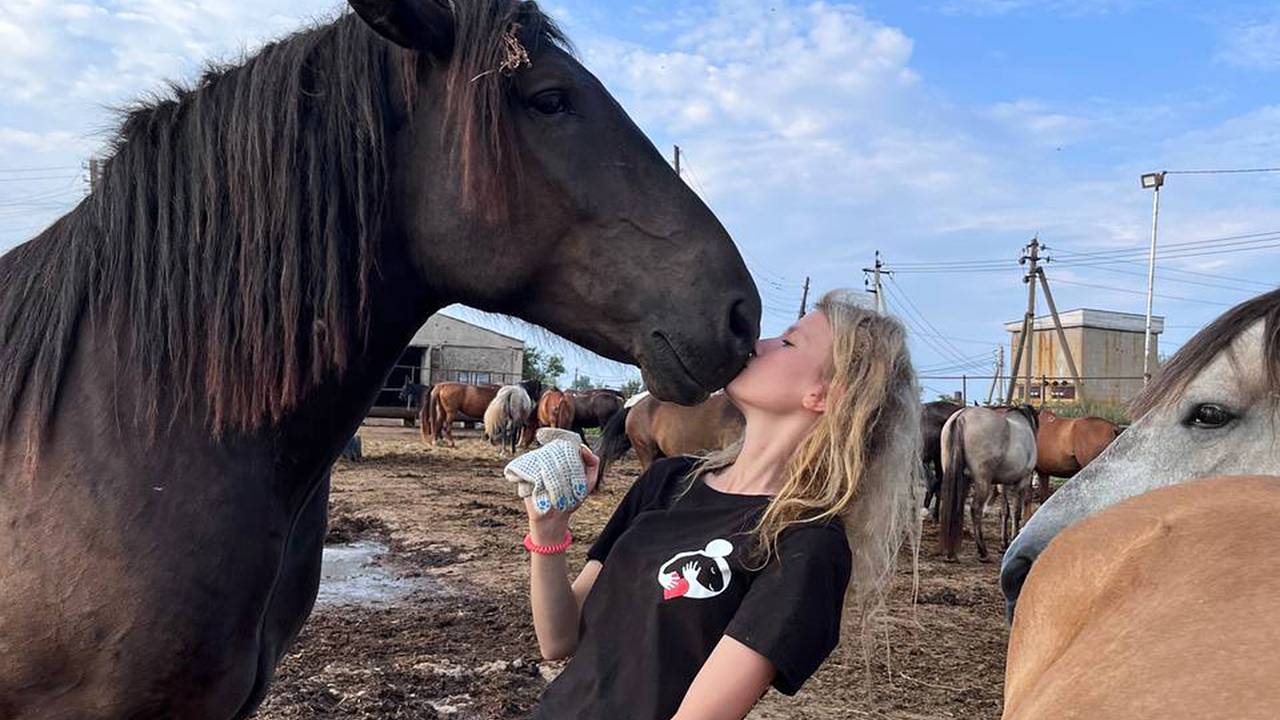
(506, 415)
(1212, 410)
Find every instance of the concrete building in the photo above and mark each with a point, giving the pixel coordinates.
(449, 349)
(1106, 346)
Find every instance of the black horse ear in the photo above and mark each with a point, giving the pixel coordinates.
(425, 25)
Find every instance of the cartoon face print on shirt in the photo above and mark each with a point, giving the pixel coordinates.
(697, 575)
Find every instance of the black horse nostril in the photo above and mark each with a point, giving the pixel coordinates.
(1012, 576)
(742, 325)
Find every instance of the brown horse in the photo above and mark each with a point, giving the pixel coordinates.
(450, 402)
(1162, 606)
(184, 354)
(555, 409)
(1065, 445)
(594, 408)
(658, 429)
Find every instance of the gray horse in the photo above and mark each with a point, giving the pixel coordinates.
(506, 416)
(1211, 411)
(986, 447)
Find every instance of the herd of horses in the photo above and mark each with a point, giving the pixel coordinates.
(185, 353)
(510, 414)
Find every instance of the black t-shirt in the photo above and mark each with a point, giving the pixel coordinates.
(678, 575)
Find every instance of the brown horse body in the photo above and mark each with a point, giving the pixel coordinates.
(450, 402)
(1162, 606)
(658, 429)
(594, 408)
(555, 409)
(1065, 445)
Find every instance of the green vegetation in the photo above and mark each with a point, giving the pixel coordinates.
(542, 366)
(1114, 412)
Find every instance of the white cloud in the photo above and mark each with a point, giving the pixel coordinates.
(1070, 8)
(1253, 45)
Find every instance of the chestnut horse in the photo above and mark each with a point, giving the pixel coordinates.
(450, 402)
(185, 353)
(1162, 606)
(658, 429)
(555, 409)
(1065, 445)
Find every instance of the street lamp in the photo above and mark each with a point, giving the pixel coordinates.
(1152, 181)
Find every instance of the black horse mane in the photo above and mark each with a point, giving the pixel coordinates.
(1215, 338)
(232, 242)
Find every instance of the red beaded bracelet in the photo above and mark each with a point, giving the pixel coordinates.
(556, 549)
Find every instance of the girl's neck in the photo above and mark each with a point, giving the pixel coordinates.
(767, 447)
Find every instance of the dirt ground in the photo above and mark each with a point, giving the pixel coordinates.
(461, 645)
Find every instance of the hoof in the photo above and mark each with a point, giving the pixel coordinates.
(984, 559)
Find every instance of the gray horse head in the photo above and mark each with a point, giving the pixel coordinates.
(1211, 411)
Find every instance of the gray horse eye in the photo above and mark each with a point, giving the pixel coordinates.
(1208, 415)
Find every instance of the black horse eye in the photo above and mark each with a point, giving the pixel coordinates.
(550, 102)
(1209, 416)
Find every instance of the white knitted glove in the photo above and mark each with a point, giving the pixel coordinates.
(553, 474)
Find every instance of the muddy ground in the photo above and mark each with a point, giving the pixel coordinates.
(442, 630)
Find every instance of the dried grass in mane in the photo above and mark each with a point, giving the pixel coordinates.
(1194, 356)
(232, 244)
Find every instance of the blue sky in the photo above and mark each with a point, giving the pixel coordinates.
(937, 131)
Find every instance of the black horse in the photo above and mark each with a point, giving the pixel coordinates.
(184, 355)
(933, 415)
(412, 393)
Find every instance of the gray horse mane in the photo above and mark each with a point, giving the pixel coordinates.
(1216, 337)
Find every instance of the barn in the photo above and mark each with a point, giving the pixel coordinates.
(1107, 349)
(445, 349)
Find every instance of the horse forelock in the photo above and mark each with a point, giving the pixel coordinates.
(232, 242)
(1168, 385)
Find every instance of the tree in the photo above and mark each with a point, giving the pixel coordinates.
(631, 388)
(542, 366)
(582, 382)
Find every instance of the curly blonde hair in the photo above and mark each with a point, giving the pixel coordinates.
(860, 464)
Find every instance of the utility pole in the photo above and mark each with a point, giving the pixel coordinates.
(1062, 335)
(876, 288)
(677, 159)
(995, 380)
(94, 171)
(1154, 181)
(804, 298)
(1026, 349)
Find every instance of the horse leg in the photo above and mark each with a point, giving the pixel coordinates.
(982, 490)
(1020, 505)
(447, 428)
(1004, 519)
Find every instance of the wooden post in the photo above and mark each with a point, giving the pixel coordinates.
(1062, 336)
(804, 298)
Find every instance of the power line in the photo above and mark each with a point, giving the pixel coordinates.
(1236, 171)
(1216, 286)
(1140, 292)
(938, 345)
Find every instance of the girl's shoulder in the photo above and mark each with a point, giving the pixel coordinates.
(828, 537)
(665, 479)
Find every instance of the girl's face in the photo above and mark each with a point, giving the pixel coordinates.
(788, 373)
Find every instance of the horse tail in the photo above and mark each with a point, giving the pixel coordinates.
(434, 414)
(613, 441)
(426, 418)
(955, 486)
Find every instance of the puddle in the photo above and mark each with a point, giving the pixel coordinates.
(351, 575)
